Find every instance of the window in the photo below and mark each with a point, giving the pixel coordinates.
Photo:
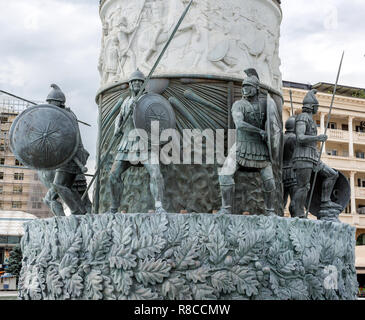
(17, 189)
(345, 127)
(2, 161)
(37, 205)
(318, 123)
(332, 125)
(1, 205)
(18, 176)
(18, 163)
(3, 119)
(2, 147)
(359, 129)
(332, 152)
(16, 204)
(13, 239)
(1, 175)
(361, 240)
(360, 155)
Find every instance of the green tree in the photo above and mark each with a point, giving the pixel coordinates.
(15, 261)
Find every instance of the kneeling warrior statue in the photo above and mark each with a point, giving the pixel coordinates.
(127, 151)
(66, 174)
(250, 115)
(306, 156)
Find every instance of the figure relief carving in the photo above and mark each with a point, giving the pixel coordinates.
(222, 36)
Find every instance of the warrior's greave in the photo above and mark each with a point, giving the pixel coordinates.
(116, 190)
(300, 198)
(269, 197)
(227, 198)
(72, 199)
(327, 188)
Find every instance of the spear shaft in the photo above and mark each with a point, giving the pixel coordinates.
(325, 131)
(31, 102)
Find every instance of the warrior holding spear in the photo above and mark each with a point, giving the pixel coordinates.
(124, 124)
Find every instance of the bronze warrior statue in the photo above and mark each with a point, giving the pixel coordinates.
(289, 179)
(65, 176)
(306, 156)
(252, 152)
(127, 151)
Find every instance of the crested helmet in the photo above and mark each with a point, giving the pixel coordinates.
(310, 99)
(56, 94)
(252, 78)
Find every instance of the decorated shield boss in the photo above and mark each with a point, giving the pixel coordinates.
(153, 107)
(44, 137)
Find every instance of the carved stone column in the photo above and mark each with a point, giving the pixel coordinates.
(353, 192)
(217, 37)
(323, 129)
(201, 75)
(351, 137)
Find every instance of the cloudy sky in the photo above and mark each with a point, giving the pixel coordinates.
(57, 41)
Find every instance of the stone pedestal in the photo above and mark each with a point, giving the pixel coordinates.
(187, 256)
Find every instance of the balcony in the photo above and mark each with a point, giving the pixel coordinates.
(344, 163)
(359, 137)
(338, 135)
(357, 220)
(359, 193)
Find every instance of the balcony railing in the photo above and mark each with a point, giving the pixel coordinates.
(336, 134)
(359, 137)
(360, 192)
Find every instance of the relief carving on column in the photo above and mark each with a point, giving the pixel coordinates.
(216, 37)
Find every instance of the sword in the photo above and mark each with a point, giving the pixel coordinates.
(325, 131)
(31, 102)
(138, 96)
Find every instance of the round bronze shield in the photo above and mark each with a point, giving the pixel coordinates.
(44, 137)
(341, 193)
(153, 107)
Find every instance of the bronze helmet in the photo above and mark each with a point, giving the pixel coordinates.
(290, 124)
(56, 94)
(252, 78)
(310, 99)
(137, 75)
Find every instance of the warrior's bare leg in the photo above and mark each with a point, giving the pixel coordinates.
(292, 190)
(268, 182)
(156, 185)
(50, 200)
(301, 192)
(62, 183)
(116, 183)
(227, 186)
(329, 182)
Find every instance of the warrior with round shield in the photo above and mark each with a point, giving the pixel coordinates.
(306, 156)
(251, 118)
(130, 151)
(66, 174)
